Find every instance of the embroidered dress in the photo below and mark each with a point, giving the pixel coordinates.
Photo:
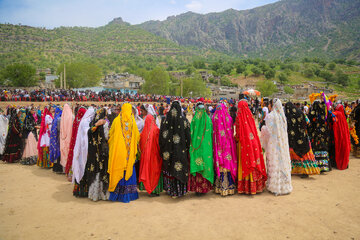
(4, 126)
(44, 140)
(319, 134)
(224, 147)
(201, 152)
(12, 145)
(302, 158)
(30, 154)
(97, 162)
(123, 139)
(174, 142)
(354, 124)
(66, 125)
(251, 171)
(275, 142)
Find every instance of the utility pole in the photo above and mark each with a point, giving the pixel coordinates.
(61, 81)
(64, 77)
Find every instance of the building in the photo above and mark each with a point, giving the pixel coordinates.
(219, 92)
(125, 82)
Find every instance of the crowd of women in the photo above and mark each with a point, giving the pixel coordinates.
(110, 153)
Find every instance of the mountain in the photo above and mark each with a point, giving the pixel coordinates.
(113, 46)
(287, 28)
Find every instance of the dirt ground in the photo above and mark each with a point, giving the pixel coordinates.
(38, 204)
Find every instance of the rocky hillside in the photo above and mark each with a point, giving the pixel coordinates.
(287, 28)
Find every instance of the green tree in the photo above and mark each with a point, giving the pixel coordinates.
(342, 78)
(81, 74)
(157, 82)
(264, 67)
(331, 66)
(270, 74)
(308, 72)
(42, 76)
(266, 87)
(246, 73)
(20, 75)
(328, 76)
(194, 86)
(283, 78)
(240, 68)
(288, 90)
(190, 70)
(256, 71)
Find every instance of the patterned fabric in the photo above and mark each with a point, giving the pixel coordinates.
(126, 190)
(275, 142)
(296, 127)
(251, 169)
(44, 159)
(201, 152)
(174, 144)
(12, 151)
(54, 137)
(30, 124)
(173, 186)
(318, 128)
(224, 184)
(199, 184)
(224, 145)
(159, 188)
(355, 123)
(97, 161)
(30, 152)
(4, 126)
(307, 165)
(322, 160)
(81, 189)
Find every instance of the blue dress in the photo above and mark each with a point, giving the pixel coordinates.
(125, 191)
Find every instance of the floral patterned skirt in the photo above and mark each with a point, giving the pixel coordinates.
(322, 160)
(304, 165)
(174, 187)
(125, 191)
(81, 189)
(252, 184)
(225, 185)
(199, 184)
(44, 158)
(159, 188)
(98, 190)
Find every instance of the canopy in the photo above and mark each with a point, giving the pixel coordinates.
(252, 92)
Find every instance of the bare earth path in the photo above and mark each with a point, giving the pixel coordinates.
(38, 204)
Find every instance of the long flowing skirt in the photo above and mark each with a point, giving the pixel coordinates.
(322, 160)
(58, 168)
(98, 190)
(199, 184)
(306, 165)
(81, 189)
(225, 185)
(12, 152)
(30, 152)
(174, 187)
(159, 188)
(125, 191)
(44, 158)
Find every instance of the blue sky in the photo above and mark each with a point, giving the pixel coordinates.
(94, 13)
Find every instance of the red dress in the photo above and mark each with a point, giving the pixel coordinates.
(342, 138)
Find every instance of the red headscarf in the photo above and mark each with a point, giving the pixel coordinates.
(75, 127)
(342, 138)
(43, 127)
(251, 152)
(150, 162)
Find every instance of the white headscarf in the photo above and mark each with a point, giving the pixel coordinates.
(274, 139)
(139, 121)
(150, 109)
(4, 125)
(81, 145)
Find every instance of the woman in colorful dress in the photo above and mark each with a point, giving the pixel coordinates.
(275, 141)
(98, 155)
(150, 177)
(55, 142)
(201, 152)
(66, 125)
(4, 126)
(74, 132)
(174, 144)
(319, 134)
(342, 138)
(124, 137)
(355, 130)
(302, 158)
(13, 138)
(44, 138)
(251, 171)
(224, 148)
(81, 155)
(30, 131)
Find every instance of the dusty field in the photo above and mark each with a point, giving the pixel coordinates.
(38, 204)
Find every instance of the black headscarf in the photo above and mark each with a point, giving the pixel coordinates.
(174, 141)
(298, 139)
(318, 128)
(355, 116)
(98, 151)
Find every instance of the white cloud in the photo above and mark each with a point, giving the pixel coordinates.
(194, 6)
(173, 2)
